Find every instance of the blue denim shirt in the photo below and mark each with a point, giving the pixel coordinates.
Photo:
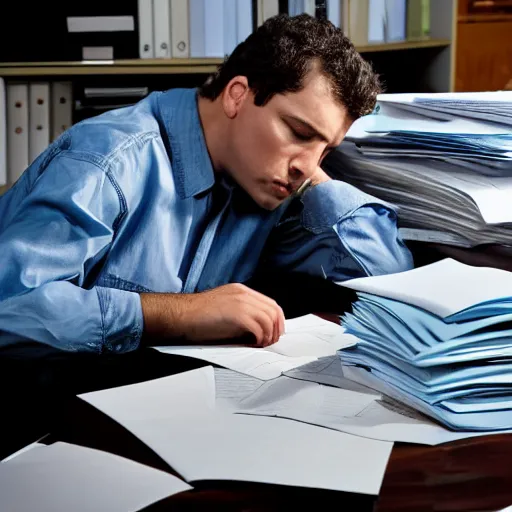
(128, 202)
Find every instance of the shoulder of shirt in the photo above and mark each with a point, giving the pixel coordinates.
(102, 139)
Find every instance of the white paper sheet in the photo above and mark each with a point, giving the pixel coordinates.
(443, 288)
(159, 398)
(381, 418)
(30, 446)
(306, 338)
(480, 97)
(201, 443)
(64, 477)
(329, 371)
(222, 446)
(316, 403)
(430, 432)
(233, 386)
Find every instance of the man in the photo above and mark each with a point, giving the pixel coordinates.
(144, 220)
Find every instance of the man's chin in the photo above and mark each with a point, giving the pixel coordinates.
(269, 203)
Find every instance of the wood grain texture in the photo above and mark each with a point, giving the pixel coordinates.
(467, 475)
(483, 56)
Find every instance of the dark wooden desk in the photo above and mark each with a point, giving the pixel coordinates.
(468, 475)
(38, 388)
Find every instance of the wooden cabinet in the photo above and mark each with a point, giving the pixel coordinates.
(484, 45)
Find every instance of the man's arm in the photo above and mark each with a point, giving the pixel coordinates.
(337, 232)
(229, 311)
(64, 228)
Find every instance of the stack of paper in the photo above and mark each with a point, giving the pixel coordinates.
(444, 159)
(492, 106)
(439, 339)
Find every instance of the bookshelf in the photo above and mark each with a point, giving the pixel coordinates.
(168, 66)
(425, 64)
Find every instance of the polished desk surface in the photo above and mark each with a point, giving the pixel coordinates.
(39, 396)
(466, 475)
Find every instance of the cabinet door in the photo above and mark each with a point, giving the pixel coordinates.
(484, 56)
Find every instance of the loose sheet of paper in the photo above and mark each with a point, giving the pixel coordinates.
(327, 370)
(231, 386)
(30, 446)
(381, 418)
(397, 398)
(201, 443)
(222, 446)
(307, 338)
(63, 477)
(158, 398)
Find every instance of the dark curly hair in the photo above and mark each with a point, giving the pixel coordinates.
(276, 57)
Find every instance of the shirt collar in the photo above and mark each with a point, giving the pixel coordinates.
(191, 164)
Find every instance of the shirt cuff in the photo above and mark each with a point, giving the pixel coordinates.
(121, 315)
(329, 202)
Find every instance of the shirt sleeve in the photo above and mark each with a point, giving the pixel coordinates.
(60, 232)
(338, 232)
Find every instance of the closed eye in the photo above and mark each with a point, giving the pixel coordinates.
(302, 136)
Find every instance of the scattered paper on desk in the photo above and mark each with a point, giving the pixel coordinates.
(258, 362)
(201, 443)
(308, 401)
(30, 446)
(307, 338)
(158, 398)
(231, 386)
(223, 446)
(383, 418)
(62, 477)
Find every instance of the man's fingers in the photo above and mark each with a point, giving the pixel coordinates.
(281, 321)
(252, 326)
(273, 315)
(277, 312)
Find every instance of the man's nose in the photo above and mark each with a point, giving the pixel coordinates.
(303, 167)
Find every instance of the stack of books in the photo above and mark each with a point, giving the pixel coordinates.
(437, 338)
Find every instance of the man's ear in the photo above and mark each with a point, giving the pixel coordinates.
(234, 94)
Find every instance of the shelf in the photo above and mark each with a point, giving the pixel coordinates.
(119, 67)
(404, 45)
(485, 18)
(166, 66)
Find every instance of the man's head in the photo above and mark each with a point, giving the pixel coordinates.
(289, 93)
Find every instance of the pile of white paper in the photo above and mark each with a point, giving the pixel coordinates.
(437, 338)
(445, 160)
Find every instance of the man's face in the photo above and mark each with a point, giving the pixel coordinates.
(273, 149)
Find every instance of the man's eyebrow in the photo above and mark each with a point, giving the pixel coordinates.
(306, 125)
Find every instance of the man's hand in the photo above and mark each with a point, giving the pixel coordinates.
(230, 311)
(319, 177)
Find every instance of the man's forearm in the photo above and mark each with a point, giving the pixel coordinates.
(229, 311)
(163, 315)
